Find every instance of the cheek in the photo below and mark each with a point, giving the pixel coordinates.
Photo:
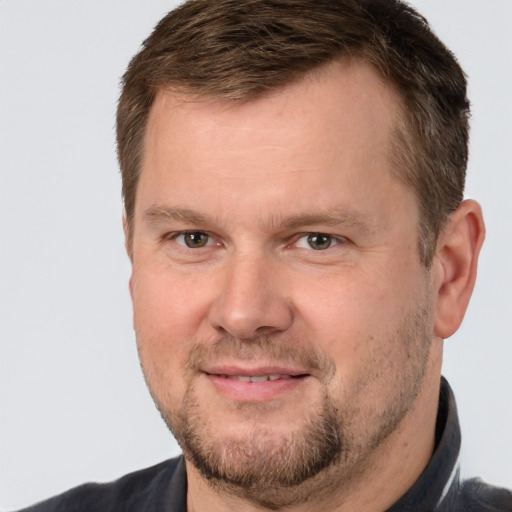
(166, 305)
(168, 317)
(353, 314)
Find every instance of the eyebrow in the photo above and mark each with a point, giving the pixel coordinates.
(331, 218)
(164, 213)
(158, 214)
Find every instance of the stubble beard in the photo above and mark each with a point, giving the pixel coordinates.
(260, 468)
(331, 450)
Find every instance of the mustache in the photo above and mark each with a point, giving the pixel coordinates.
(269, 349)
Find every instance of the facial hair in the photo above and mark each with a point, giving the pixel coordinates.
(332, 448)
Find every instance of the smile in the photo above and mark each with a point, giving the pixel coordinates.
(256, 385)
(255, 378)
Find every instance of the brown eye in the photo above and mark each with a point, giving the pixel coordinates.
(194, 239)
(319, 241)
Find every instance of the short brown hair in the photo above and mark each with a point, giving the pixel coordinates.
(240, 50)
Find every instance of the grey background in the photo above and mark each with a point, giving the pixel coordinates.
(73, 404)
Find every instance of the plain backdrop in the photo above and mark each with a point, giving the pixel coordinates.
(73, 404)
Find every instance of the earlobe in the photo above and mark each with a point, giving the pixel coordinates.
(455, 266)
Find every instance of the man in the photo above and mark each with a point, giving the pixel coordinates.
(293, 176)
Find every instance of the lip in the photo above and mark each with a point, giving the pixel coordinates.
(221, 377)
(232, 370)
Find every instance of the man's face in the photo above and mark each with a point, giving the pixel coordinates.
(281, 311)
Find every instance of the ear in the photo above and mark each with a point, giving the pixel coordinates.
(127, 238)
(455, 266)
(128, 247)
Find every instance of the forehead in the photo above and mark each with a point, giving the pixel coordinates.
(321, 99)
(338, 104)
(330, 132)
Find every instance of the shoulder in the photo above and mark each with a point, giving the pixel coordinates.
(131, 493)
(478, 496)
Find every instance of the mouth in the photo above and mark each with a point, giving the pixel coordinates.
(260, 378)
(255, 385)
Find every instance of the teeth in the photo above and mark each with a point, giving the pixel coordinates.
(260, 378)
(256, 378)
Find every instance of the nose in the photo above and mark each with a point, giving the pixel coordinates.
(251, 301)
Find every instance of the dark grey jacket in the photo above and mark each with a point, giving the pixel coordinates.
(163, 488)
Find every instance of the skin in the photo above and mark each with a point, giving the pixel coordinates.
(359, 324)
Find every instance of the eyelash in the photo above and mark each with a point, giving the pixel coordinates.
(332, 240)
(183, 234)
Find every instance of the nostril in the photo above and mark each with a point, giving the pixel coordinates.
(264, 328)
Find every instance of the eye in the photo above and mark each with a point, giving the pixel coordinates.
(193, 239)
(317, 241)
